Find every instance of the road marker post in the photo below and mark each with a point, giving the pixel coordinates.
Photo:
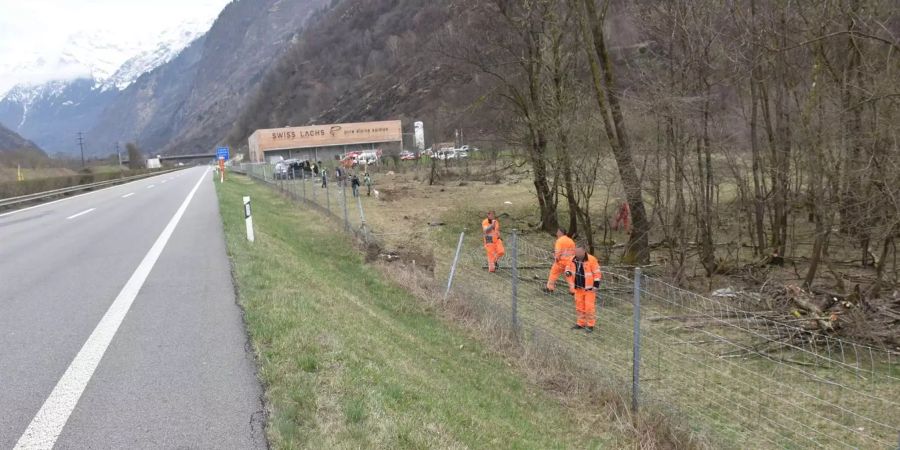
(222, 154)
(248, 218)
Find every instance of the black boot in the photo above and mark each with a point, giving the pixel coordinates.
(590, 329)
(577, 327)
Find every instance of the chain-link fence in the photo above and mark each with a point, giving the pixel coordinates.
(739, 374)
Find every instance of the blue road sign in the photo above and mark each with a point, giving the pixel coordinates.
(222, 153)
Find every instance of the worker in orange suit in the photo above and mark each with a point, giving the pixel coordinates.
(583, 275)
(563, 252)
(493, 245)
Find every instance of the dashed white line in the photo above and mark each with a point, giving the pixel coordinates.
(163, 181)
(128, 195)
(44, 429)
(151, 186)
(80, 214)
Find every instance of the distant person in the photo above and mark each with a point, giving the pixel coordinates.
(368, 180)
(324, 178)
(623, 217)
(354, 183)
(583, 275)
(563, 252)
(315, 169)
(493, 244)
(339, 175)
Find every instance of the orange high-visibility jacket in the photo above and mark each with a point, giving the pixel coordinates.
(493, 235)
(592, 274)
(564, 250)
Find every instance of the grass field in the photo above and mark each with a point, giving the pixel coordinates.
(350, 360)
(745, 401)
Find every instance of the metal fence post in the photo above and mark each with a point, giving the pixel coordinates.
(344, 207)
(362, 219)
(515, 279)
(453, 267)
(636, 349)
(303, 180)
(327, 198)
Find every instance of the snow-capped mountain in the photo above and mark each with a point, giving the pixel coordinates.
(89, 71)
(170, 43)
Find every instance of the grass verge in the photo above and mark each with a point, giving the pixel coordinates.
(351, 360)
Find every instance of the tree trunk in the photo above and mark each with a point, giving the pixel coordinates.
(638, 249)
(758, 188)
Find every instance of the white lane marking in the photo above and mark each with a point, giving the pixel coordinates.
(151, 186)
(48, 203)
(68, 198)
(128, 195)
(44, 429)
(163, 181)
(80, 214)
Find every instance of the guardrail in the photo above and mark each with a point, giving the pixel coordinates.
(13, 201)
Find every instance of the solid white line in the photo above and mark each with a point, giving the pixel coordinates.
(80, 214)
(151, 186)
(44, 429)
(128, 195)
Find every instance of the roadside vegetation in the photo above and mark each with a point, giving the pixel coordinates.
(352, 360)
(40, 180)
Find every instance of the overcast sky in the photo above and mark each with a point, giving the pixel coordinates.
(40, 29)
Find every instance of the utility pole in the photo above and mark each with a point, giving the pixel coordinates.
(81, 145)
(119, 154)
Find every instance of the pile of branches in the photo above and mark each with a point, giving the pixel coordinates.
(783, 318)
(822, 313)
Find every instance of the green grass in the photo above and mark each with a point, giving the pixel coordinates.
(350, 360)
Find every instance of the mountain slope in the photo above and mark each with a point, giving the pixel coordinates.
(246, 40)
(148, 110)
(16, 149)
(188, 104)
(52, 113)
(365, 60)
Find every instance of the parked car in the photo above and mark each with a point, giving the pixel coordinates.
(281, 171)
(445, 154)
(451, 153)
(408, 156)
(367, 157)
(294, 166)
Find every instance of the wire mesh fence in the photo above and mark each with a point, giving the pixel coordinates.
(740, 375)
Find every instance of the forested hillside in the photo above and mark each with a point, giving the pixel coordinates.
(367, 60)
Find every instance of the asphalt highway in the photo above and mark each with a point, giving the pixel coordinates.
(119, 326)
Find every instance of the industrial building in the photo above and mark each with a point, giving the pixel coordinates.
(325, 142)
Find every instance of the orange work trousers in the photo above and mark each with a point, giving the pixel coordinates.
(494, 252)
(585, 307)
(556, 270)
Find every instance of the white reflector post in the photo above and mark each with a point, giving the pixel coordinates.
(248, 218)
